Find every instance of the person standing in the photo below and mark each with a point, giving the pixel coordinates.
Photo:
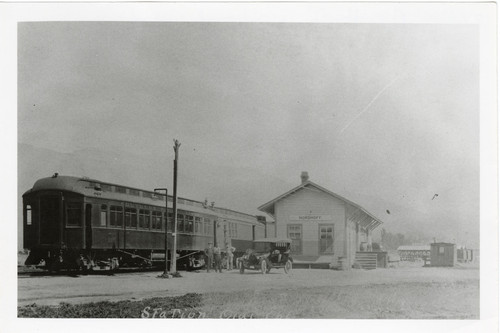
(229, 255)
(209, 252)
(218, 259)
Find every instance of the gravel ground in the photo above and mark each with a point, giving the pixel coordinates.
(51, 290)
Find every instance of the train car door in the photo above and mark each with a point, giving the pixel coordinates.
(50, 219)
(88, 226)
(215, 231)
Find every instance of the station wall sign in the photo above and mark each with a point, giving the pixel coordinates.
(310, 217)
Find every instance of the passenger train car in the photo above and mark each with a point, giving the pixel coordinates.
(72, 222)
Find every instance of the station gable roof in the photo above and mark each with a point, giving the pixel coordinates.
(368, 221)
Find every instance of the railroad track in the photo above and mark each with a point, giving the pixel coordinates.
(39, 273)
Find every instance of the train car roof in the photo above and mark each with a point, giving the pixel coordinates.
(95, 188)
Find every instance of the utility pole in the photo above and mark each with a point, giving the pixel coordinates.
(173, 270)
(165, 272)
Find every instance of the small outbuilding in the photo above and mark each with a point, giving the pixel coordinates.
(443, 254)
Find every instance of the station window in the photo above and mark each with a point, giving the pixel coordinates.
(131, 217)
(116, 216)
(441, 250)
(28, 215)
(104, 215)
(294, 232)
(73, 213)
(156, 220)
(326, 239)
(144, 218)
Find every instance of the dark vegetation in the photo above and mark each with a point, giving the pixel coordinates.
(121, 309)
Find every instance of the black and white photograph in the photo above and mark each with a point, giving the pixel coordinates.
(302, 162)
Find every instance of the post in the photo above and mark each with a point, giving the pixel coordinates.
(166, 226)
(124, 220)
(174, 250)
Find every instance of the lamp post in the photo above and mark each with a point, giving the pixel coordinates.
(173, 270)
(166, 223)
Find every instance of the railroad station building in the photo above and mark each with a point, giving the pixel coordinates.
(325, 228)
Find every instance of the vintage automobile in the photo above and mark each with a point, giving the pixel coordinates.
(267, 253)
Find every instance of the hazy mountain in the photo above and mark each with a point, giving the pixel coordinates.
(229, 187)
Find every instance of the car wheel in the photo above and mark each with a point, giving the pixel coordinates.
(263, 267)
(288, 267)
(269, 266)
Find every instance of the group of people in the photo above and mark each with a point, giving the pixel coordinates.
(214, 256)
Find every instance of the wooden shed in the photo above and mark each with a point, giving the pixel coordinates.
(443, 254)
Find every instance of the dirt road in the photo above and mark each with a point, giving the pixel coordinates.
(52, 290)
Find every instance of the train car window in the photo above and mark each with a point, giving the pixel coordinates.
(158, 196)
(120, 189)
(28, 214)
(170, 219)
(144, 218)
(233, 230)
(180, 223)
(73, 213)
(131, 217)
(157, 220)
(188, 225)
(180, 201)
(115, 215)
(206, 226)
(197, 225)
(153, 220)
(105, 187)
(133, 192)
(104, 215)
(147, 194)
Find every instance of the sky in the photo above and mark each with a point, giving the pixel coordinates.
(384, 114)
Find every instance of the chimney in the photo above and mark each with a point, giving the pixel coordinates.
(304, 176)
